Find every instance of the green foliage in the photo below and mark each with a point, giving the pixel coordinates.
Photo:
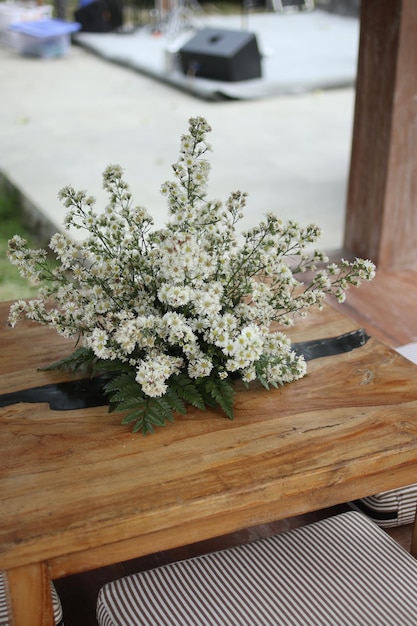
(13, 221)
(80, 360)
(145, 413)
(186, 389)
(12, 286)
(219, 392)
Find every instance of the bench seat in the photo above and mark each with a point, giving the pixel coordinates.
(343, 570)
(396, 507)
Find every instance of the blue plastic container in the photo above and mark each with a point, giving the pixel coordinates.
(44, 38)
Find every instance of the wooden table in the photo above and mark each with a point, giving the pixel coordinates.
(79, 491)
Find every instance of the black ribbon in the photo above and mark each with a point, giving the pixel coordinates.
(86, 393)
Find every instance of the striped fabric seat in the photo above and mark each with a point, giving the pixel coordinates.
(409, 351)
(390, 508)
(340, 571)
(4, 614)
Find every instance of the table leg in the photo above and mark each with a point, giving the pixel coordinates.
(414, 539)
(29, 596)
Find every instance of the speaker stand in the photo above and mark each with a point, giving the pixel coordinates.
(177, 16)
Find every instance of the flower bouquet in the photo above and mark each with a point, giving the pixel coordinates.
(173, 316)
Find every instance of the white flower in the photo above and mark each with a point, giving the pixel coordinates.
(176, 330)
(200, 367)
(175, 296)
(152, 373)
(98, 343)
(195, 298)
(17, 309)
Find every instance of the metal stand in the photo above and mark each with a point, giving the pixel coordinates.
(291, 6)
(180, 16)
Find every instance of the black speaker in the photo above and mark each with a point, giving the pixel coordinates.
(221, 54)
(100, 16)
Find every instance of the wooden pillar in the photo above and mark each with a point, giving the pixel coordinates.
(381, 212)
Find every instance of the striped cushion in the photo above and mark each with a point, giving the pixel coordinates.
(390, 508)
(409, 351)
(340, 571)
(4, 614)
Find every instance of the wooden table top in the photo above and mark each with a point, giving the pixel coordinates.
(79, 490)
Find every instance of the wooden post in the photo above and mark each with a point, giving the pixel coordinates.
(381, 213)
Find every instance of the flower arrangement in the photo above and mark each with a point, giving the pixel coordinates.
(174, 316)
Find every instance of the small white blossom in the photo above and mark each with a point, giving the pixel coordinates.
(196, 298)
(98, 342)
(152, 373)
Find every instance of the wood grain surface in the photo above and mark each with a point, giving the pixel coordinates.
(80, 491)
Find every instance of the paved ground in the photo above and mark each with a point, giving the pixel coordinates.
(62, 121)
(299, 52)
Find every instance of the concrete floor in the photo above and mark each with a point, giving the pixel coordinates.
(63, 121)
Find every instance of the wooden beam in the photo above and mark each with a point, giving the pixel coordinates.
(381, 213)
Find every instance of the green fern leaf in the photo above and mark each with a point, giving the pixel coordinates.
(174, 401)
(223, 394)
(122, 383)
(262, 380)
(152, 412)
(145, 413)
(187, 390)
(155, 417)
(160, 406)
(128, 404)
(133, 416)
(80, 359)
(141, 423)
(114, 367)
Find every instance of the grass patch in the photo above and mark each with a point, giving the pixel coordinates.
(12, 286)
